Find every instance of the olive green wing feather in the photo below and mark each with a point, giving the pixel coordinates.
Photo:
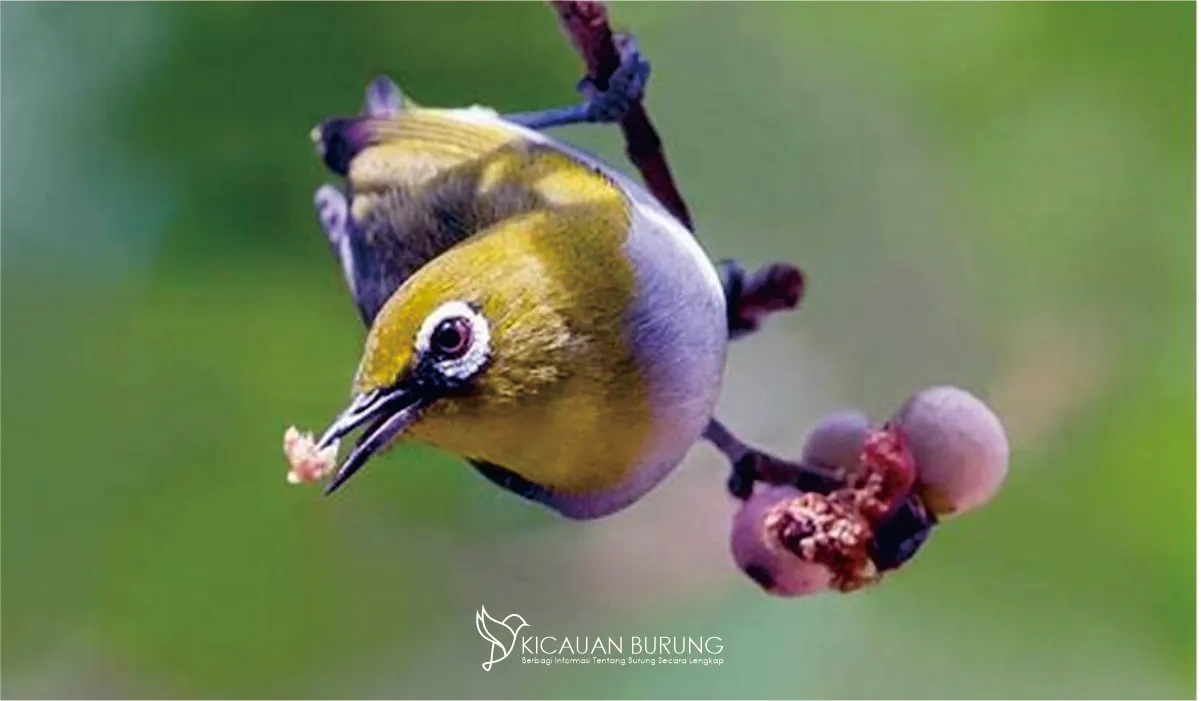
(417, 183)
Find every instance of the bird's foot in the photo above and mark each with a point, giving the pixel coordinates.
(603, 104)
(625, 87)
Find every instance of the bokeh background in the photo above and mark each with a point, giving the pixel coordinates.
(995, 195)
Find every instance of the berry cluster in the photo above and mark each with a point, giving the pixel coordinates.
(942, 453)
(862, 500)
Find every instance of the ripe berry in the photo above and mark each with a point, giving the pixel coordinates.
(959, 446)
(796, 543)
(836, 442)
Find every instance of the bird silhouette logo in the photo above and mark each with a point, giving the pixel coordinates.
(506, 629)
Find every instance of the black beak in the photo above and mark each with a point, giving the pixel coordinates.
(387, 412)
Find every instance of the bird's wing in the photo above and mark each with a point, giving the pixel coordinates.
(423, 180)
(412, 179)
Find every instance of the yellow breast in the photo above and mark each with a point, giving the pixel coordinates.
(563, 401)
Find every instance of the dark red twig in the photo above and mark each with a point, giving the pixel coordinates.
(772, 288)
(587, 25)
(750, 465)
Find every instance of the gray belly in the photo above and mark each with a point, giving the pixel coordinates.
(679, 333)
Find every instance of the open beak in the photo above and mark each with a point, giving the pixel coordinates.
(385, 412)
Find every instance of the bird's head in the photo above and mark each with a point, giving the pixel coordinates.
(456, 354)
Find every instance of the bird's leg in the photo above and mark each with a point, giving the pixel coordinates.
(602, 103)
(751, 297)
(359, 267)
(749, 465)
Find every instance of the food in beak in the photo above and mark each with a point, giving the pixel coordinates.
(309, 463)
(383, 414)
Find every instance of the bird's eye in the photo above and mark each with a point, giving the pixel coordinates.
(454, 342)
(452, 337)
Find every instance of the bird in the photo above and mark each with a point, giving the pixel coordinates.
(529, 308)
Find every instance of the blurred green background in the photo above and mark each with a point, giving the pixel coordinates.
(998, 196)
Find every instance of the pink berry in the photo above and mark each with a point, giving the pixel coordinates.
(959, 446)
(836, 441)
(760, 553)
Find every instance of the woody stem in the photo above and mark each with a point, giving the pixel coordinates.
(749, 465)
(773, 287)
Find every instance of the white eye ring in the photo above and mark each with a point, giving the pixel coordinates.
(468, 363)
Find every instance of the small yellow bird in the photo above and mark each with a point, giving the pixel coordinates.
(530, 308)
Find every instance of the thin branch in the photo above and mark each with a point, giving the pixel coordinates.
(749, 465)
(772, 288)
(587, 25)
